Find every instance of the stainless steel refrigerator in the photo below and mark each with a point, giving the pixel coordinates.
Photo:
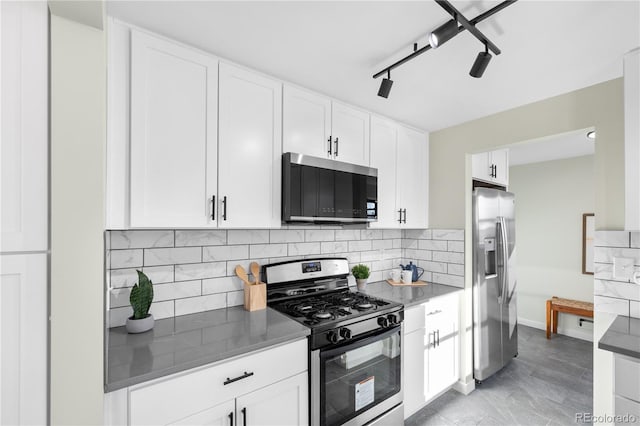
(495, 322)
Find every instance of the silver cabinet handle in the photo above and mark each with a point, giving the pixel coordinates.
(224, 208)
(329, 150)
(438, 338)
(213, 208)
(335, 151)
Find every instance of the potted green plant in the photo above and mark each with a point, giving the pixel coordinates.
(361, 273)
(140, 298)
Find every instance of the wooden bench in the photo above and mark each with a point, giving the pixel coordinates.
(567, 306)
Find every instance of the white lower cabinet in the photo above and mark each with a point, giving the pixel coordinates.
(282, 403)
(626, 388)
(221, 415)
(23, 339)
(268, 387)
(431, 350)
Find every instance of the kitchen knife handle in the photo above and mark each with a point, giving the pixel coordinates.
(244, 416)
(335, 151)
(224, 208)
(329, 150)
(213, 208)
(231, 418)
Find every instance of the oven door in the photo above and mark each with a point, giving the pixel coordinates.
(354, 383)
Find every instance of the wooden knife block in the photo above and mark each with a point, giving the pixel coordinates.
(255, 296)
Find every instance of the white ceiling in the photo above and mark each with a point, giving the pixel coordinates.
(556, 147)
(334, 47)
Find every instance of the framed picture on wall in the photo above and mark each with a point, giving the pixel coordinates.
(588, 234)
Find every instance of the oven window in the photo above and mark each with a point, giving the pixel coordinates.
(358, 376)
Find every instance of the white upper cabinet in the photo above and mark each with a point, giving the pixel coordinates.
(632, 140)
(492, 166)
(384, 146)
(250, 155)
(317, 126)
(23, 127)
(413, 177)
(401, 156)
(173, 134)
(350, 134)
(306, 123)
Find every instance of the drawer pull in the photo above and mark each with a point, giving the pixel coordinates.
(235, 379)
(437, 311)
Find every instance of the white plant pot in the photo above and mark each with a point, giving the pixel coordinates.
(362, 283)
(139, 325)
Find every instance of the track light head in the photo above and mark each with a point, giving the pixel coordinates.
(385, 86)
(480, 64)
(443, 33)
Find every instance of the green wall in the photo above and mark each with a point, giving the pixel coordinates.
(600, 106)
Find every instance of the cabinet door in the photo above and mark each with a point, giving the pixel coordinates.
(481, 166)
(383, 157)
(350, 134)
(220, 415)
(23, 339)
(306, 121)
(413, 170)
(415, 384)
(173, 134)
(500, 160)
(284, 403)
(441, 321)
(23, 126)
(249, 148)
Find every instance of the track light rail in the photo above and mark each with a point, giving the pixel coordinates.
(470, 24)
(451, 10)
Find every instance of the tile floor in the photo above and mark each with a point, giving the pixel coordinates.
(547, 384)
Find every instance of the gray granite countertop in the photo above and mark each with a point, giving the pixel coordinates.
(622, 337)
(188, 341)
(408, 295)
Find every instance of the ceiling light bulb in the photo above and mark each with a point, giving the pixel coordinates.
(480, 64)
(591, 135)
(385, 86)
(443, 33)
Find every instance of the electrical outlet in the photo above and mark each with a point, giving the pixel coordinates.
(623, 268)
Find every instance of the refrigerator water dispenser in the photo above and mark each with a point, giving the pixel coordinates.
(489, 256)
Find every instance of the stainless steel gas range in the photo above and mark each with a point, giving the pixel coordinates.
(355, 346)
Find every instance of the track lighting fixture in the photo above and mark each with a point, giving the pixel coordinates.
(385, 86)
(443, 33)
(480, 64)
(446, 32)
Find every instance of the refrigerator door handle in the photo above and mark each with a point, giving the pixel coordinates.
(504, 248)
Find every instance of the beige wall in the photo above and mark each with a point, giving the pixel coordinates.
(600, 106)
(550, 199)
(78, 99)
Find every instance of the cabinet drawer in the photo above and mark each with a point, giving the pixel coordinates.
(624, 407)
(414, 318)
(627, 378)
(180, 396)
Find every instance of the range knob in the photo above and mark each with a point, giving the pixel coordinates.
(332, 337)
(393, 319)
(383, 322)
(345, 333)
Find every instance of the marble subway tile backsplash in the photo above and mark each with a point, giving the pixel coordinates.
(193, 270)
(616, 295)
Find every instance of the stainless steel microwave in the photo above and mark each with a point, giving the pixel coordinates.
(322, 190)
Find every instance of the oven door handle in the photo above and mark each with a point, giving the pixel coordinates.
(355, 344)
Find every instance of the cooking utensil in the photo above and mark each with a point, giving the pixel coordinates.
(255, 271)
(242, 274)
